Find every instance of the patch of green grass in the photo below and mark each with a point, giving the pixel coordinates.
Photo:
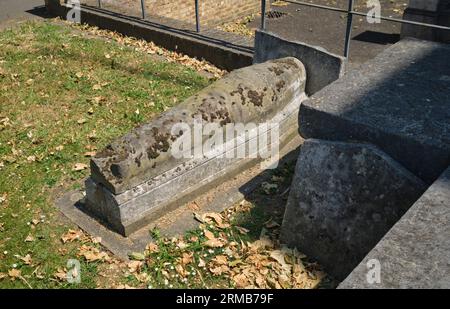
(61, 95)
(161, 264)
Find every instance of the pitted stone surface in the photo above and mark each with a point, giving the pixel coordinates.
(415, 254)
(251, 94)
(344, 198)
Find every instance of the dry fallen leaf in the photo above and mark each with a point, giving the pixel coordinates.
(180, 270)
(182, 245)
(60, 274)
(242, 230)
(241, 281)
(221, 260)
(218, 219)
(27, 259)
(209, 234)
(92, 254)
(79, 167)
(201, 263)
(14, 273)
(262, 243)
(186, 258)
(71, 235)
(219, 270)
(29, 238)
(152, 248)
(280, 257)
(214, 243)
(134, 266)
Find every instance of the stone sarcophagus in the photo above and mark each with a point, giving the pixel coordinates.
(187, 149)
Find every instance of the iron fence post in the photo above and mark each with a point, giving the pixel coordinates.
(348, 33)
(99, 4)
(143, 8)
(197, 16)
(263, 14)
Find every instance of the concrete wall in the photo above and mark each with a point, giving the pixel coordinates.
(322, 67)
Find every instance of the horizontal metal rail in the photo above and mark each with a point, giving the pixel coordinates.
(353, 12)
(350, 13)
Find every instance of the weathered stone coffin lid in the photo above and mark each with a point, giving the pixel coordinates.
(399, 101)
(253, 94)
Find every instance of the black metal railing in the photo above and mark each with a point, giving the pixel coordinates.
(350, 13)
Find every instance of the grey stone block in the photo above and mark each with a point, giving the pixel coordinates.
(344, 198)
(397, 101)
(322, 67)
(136, 178)
(416, 251)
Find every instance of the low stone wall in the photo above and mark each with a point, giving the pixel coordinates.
(322, 67)
(137, 177)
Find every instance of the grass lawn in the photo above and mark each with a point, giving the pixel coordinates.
(62, 97)
(67, 91)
